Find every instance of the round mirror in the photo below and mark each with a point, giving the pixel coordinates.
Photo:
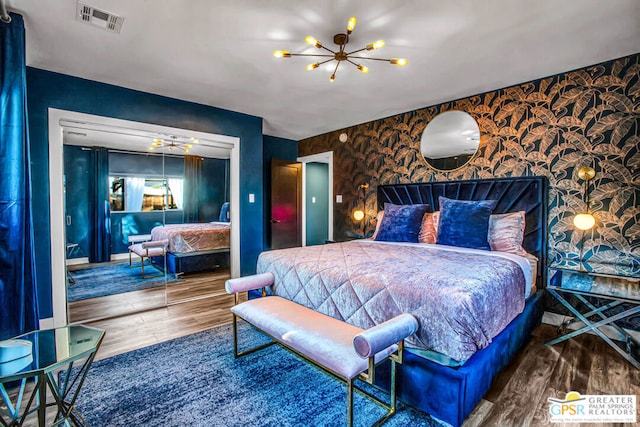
(450, 140)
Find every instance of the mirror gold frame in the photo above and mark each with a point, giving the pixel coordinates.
(450, 141)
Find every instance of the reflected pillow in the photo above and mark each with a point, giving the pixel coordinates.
(506, 232)
(401, 223)
(464, 223)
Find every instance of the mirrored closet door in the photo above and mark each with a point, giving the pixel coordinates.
(147, 219)
(113, 199)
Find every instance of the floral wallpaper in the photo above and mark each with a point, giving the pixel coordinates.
(551, 127)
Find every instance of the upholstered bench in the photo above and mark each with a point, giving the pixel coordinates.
(148, 250)
(343, 350)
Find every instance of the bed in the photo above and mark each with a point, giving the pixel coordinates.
(193, 247)
(470, 327)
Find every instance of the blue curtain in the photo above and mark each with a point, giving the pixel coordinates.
(100, 237)
(192, 178)
(18, 288)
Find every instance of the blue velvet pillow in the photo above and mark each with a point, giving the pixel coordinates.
(401, 223)
(224, 213)
(464, 223)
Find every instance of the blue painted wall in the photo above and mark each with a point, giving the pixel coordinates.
(317, 213)
(53, 90)
(274, 148)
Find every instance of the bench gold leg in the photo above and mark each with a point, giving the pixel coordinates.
(237, 353)
(235, 335)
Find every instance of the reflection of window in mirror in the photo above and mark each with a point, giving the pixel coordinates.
(141, 194)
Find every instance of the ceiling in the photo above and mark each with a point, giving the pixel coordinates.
(133, 139)
(219, 53)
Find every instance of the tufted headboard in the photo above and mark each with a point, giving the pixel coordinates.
(527, 194)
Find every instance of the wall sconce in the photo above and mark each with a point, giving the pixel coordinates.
(359, 214)
(585, 221)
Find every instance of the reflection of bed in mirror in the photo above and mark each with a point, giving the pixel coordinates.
(194, 247)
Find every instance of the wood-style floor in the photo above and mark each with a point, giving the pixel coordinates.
(518, 396)
(186, 288)
(519, 393)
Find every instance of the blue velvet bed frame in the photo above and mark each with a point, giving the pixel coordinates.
(450, 394)
(195, 262)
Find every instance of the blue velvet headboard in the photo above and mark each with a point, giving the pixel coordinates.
(527, 194)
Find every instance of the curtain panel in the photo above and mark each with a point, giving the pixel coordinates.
(100, 236)
(18, 288)
(192, 178)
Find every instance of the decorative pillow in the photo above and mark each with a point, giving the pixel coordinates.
(464, 223)
(401, 223)
(224, 213)
(506, 232)
(429, 229)
(379, 217)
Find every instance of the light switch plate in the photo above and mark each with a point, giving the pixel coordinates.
(252, 198)
(313, 200)
(339, 198)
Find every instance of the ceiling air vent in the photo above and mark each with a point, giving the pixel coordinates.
(99, 18)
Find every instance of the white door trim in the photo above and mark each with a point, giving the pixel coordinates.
(326, 157)
(56, 194)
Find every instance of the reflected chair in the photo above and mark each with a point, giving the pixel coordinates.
(147, 250)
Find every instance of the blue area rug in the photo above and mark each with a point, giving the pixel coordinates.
(195, 381)
(112, 279)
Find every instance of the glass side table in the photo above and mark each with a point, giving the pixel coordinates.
(51, 363)
(600, 299)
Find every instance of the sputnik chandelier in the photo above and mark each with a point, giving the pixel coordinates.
(341, 55)
(173, 143)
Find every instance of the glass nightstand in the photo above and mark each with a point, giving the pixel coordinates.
(58, 360)
(598, 299)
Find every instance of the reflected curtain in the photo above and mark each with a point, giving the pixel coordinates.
(175, 187)
(192, 178)
(100, 247)
(18, 287)
(133, 194)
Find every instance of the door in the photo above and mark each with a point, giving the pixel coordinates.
(316, 203)
(286, 204)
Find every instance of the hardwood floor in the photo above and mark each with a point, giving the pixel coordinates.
(518, 396)
(586, 364)
(139, 330)
(186, 288)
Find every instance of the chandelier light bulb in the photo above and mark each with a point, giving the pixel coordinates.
(312, 66)
(332, 78)
(351, 24)
(584, 221)
(364, 69)
(281, 54)
(313, 42)
(375, 45)
(399, 61)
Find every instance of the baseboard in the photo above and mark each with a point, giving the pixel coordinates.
(557, 319)
(46, 323)
(77, 261)
(85, 260)
(119, 257)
